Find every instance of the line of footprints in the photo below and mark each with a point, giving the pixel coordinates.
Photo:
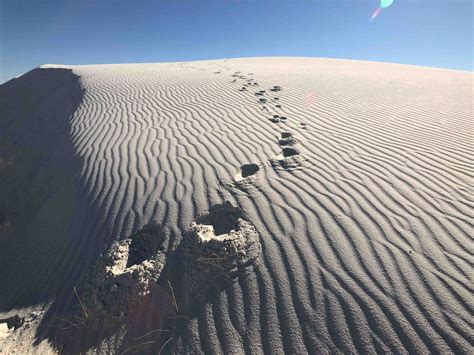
(271, 107)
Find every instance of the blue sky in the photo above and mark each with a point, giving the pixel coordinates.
(420, 32)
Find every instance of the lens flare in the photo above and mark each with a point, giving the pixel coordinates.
(383, 5)
(376, 13)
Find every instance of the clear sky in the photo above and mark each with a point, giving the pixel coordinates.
(420, 32)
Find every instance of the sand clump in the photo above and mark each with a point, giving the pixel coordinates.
(124, 277)
(219, 243)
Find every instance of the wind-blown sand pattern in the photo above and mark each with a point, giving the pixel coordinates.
(360, 192)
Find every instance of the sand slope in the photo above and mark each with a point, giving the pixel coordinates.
(364, 234)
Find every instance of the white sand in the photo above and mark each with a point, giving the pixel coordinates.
(364, 234)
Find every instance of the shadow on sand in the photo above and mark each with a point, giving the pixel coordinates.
(38, 184)
(50, 235)
(44, 243)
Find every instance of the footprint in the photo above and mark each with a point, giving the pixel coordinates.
(128, 271)
(260, 93)
(289, 159)
(286, 138)
(246, 177)
(276, 88)
(247, 170)
(218, 245)
(278, 106)
(289, 152)
(262, 101)
(275, 119)
(145, 243)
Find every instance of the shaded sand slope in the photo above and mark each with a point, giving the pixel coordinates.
(38, 183)
(363, 205)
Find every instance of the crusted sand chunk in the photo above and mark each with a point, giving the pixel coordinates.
(220, 242)
(122, 278)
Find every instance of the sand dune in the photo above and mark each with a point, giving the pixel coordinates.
(357, 177)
